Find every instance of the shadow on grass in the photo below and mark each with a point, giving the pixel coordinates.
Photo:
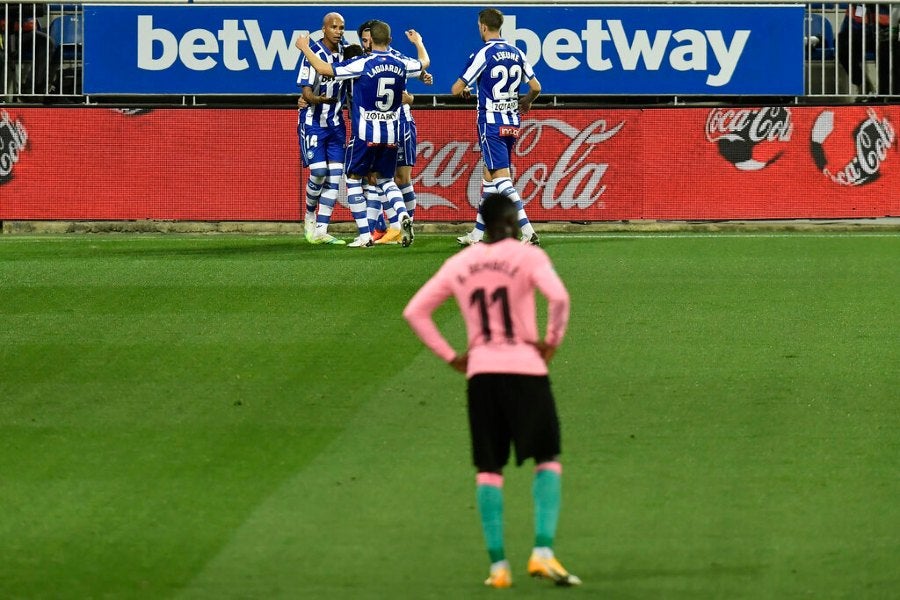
(162, 246)
(221, 248)
(713, 570)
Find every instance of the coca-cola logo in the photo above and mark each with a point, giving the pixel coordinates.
(750, 138)
(860, 155)
(575, 179)
(13, 139)
(132, 112)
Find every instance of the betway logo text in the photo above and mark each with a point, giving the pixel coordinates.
(602, 45)
(201, 49)
(684, 49)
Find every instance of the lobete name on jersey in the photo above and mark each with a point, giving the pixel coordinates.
(378, 69)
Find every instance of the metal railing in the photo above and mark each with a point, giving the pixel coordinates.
(40, 50)
(851, 51)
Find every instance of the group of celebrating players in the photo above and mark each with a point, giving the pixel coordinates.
(377, 161)
(510, 402)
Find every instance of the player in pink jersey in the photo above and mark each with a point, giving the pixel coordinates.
(510, 402)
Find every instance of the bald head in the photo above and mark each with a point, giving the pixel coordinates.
(330, 17)
(332, 31)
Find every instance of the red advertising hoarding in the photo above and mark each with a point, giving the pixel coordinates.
(570, 165)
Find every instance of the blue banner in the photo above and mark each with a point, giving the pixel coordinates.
(610, 50)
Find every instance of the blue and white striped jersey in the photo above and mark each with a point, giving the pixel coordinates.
(326, 114)
(379, 82)
(499, 69)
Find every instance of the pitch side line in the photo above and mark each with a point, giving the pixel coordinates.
(646, 235)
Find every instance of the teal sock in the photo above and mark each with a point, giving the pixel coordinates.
(547, 490)
(490, 506)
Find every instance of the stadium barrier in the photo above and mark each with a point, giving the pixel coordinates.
(42, 51)
(41, 56)
(686, 163)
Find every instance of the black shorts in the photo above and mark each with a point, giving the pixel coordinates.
(507, 409)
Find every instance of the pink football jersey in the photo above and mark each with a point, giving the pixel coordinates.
(494, 286)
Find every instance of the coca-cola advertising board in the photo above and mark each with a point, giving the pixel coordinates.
(90, 163)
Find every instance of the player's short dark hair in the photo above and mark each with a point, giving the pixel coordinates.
(496, 209)
(381, 33)
(491, 18)
(352, 51)
(363, 27)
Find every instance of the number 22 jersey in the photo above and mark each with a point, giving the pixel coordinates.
(494, 286)
(499, 69)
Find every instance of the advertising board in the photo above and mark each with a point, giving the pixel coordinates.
(611, 50)
(569, 165)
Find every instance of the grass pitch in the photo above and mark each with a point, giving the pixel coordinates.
(249, 417)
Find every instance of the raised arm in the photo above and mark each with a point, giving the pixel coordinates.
(416, 38)
(321, 67)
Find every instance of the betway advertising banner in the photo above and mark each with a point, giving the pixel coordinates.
(614, 50)
(569, 165)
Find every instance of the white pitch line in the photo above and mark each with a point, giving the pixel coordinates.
(644, 235)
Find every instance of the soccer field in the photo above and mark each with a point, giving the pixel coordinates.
(249, 417)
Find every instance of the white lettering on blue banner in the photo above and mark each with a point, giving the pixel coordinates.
(158, 48)
(684, 49)
(604, 49)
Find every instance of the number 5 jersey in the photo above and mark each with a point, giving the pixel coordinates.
(379, 81)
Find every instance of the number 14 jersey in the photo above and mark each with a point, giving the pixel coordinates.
(494, 285)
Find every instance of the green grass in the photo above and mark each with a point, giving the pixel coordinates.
(249, 417)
